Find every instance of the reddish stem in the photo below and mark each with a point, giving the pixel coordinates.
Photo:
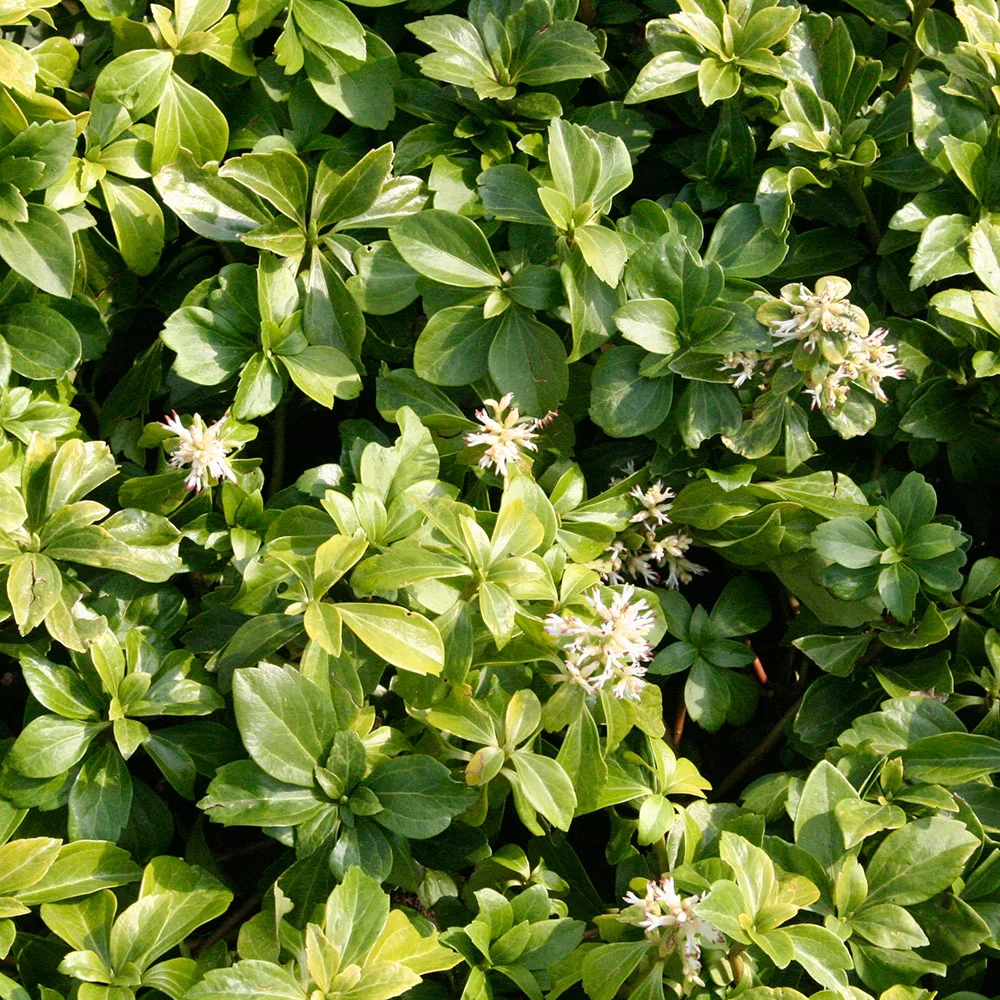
(759, 671)
(679, 719)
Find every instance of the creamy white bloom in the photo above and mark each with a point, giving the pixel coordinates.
(613, 565)
(626, 468)
(670, 918)
(611, 649)
(504, 434)
(867, 362)
(655, 500)
(742, 364)
(809, 314)
(204, 448)
(872, 360)
(671, 552)
(830, 392)
(639, 566)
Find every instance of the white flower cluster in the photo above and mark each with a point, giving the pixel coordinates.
(611, 650)
(826, 323)
(867, 362)
(811, 314)
(505, 434)
(669, 918)
(656, 551)
(742, 364)
(204, 449)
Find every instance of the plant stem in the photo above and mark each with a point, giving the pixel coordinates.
(758, 668)
(852, 180)
(679, 717)
(913, 53)
(230, 923)
(759, 672)
(280, 433)
(660, 852)
(731, 780)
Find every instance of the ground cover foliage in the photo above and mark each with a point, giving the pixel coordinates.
(498, 500)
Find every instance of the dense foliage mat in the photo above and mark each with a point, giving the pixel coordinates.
(498, 500)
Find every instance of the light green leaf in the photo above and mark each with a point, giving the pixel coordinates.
(188, 119)
(401, 637)
(285, 721)
(43, 344)
(448, 248)
(41, 250)
(137, 221)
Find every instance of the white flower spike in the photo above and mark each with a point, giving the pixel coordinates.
(742, 364)
(671, 919)
(671, 552)
(656, 501)
(614, 650)
(505, 434)
(204, 449)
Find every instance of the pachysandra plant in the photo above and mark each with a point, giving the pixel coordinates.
(497, 498)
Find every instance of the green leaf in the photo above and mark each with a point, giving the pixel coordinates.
(822, 954)
(129, 88)
(278, 176)
(665, 75)
(355, 916)
(188, 119)
(49, 745)
(898, 586)
(951, 758)
(448, 248)
(888, 926)
(650, 323)
(816, 826)
(623, 402)
(401, 637)
(41, 250)
(707, 696)
(138, 223)
(208, 350)
(360, 89)
(453, 348)
(918, 861)
(604, 252)
(847, 541)
(942, 251)
(82, 867)
(24, 863)
(984, 253)
(546, 786)
(330, 23)
(528, 359)
(174, 899)
(242, 794)
(338, 196)
(459, 55)
(43, 344)
(607, 967)
(418, 796)
(717, 81)
(285, 722)
(34, 586)
(260, 389)
(101, 798)
(743, 245)
(247, 980)
(324, 374)
(211, 205)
